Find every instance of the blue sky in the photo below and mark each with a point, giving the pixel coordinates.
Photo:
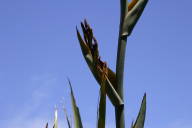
(39, 50)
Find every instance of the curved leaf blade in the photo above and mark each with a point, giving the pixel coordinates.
(76, 113)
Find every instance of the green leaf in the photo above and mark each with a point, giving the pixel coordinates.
(132, 16)
(102, 100)
(76, 113)
(101, 110)
(141, 116)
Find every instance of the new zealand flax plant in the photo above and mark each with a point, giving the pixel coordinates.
(111, 83)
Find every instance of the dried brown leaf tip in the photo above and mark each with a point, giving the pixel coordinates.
(90, 40)
(89, 47)
(104, 75)
(91, 44)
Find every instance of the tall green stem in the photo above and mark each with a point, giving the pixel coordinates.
(122, 41)
(119, 110)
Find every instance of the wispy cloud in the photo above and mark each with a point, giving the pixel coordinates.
(26, 118)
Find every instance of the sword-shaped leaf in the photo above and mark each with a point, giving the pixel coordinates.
(141, 116)
(76, 113)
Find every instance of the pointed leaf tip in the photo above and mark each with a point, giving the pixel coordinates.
(76, 113)
(69, 84)
(142, 113)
